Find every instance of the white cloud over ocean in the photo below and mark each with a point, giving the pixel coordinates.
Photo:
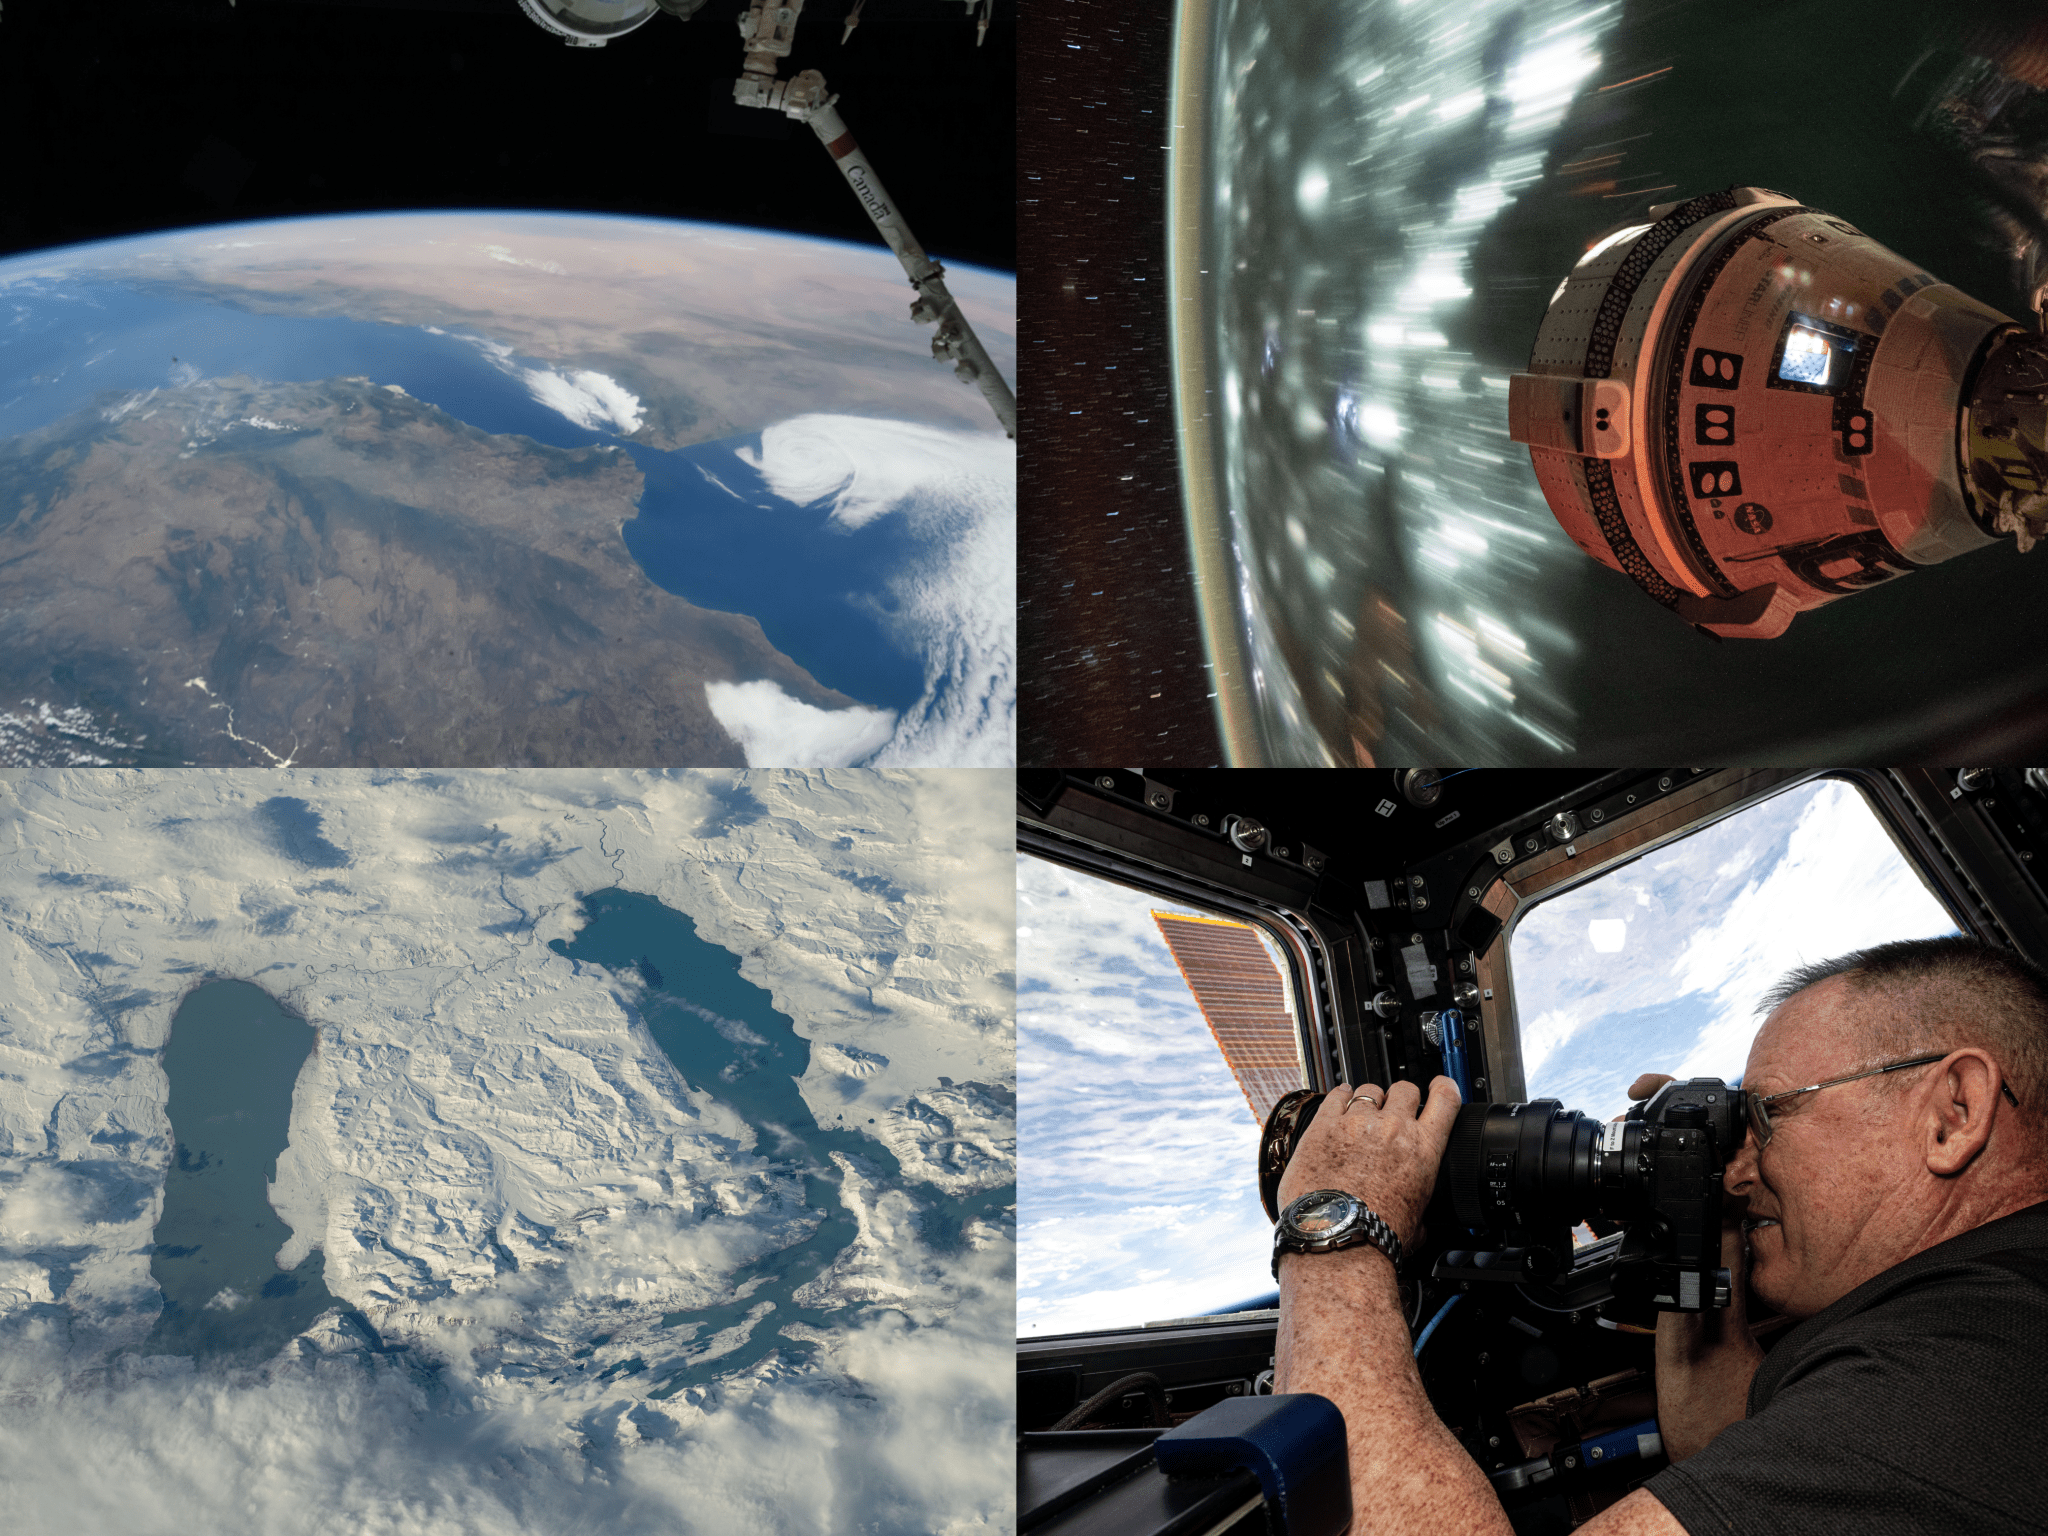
(1137, 1199)
(778, 731)
(590, 399)
(1706, 925)
(955, 602)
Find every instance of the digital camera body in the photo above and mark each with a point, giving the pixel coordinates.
(1523, 1175)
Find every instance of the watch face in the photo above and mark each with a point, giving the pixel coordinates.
(1322, 1214)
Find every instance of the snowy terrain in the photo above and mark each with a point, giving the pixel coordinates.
(503, 1171)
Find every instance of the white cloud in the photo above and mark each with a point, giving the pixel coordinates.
(1137, 1147)
(501, 253)
(778, 731)
(955, 602)
(589, 399)
(471, 1090)
(1710, 923)
(904, 1423)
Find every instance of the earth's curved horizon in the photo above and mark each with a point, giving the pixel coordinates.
(354, 490)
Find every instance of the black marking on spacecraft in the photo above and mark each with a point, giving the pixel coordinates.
(1713, 424)
(1607, 513)
(1714, 477)
(1599, 364)
(1681, 344)
(1874, 560)
(1847, 229)
(1628, 277)
(1753, 517)
(1712, 369)
(1862, 560)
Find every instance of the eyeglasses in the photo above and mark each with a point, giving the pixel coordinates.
(1760, 1103)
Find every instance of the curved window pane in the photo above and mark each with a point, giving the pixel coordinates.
(1658, 966)
(1137, 1141)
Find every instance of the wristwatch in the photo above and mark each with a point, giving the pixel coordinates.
(1325, 1220)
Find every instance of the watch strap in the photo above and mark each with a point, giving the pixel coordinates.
(1368, 1228)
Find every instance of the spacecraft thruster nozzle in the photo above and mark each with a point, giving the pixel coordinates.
(1752, 409)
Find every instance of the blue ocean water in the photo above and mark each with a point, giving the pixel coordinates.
(681, 973)
(818, 591)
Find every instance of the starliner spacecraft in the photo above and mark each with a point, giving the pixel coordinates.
(1752, 408)
(767, 30)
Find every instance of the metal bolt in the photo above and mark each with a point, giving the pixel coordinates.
(1631, 799)
(1160, 800)
(1104, 781)
(1593, 1453)
(1493, 1442)
(1315, 862)
(1570, 1461)
(1414, 938)
(1472, 890)
(1479, 1085)
(1421, 902)
(1280, 853)
(1484, 1357)
(1532, 844)
(1664, 782)
(1598, 815)
(1201, 819)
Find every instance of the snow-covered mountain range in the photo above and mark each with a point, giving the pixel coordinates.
(509, 1182)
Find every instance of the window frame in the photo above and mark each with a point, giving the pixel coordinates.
(1692, 809)
(1303, 952)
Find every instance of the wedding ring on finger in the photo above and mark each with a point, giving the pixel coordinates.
(1366, 1096)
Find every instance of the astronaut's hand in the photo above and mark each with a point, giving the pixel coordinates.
(1384, 1149)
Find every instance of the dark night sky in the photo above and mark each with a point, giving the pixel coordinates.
(128, 115)
(1109, 648)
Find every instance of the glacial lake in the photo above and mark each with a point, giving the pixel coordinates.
(232, 1060)
(682, 978)
(708, 528)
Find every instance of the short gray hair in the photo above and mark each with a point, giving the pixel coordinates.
(1944, 994)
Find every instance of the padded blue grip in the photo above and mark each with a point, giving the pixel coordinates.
(1293, 1443)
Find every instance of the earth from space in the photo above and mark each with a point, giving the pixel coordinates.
(498, 488)
(1391, 192)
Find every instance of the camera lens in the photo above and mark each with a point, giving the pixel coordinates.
(1534, 1164)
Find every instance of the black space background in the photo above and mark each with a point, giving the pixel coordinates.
(1109, 648)
(123, 116)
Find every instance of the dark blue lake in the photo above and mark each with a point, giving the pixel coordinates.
(681, 978)
(818, 591)
(232, 1060)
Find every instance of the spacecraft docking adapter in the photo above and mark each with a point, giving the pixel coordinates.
(1752, 408)
(768, 29)
(593, 23)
